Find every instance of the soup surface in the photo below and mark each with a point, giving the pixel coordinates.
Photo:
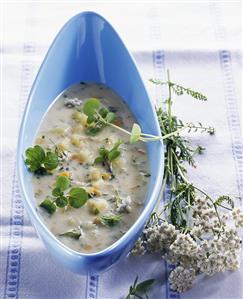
(116, 188)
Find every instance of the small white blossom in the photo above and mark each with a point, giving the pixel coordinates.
(139, 248)
(181, 279)
(184, 245)
(159, 237)
(238, 217)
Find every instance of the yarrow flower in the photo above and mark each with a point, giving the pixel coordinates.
(238, 217)
(184, 245)
(181, 279)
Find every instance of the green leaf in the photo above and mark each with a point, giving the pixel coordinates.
(110, 220)
(61, 201)
(144, 286)
(98, 160)
(93, 131)
(57, 192)
(74, 234)
(77, 197)
(103, 151)
(90, 106)
(34, 157)
(110, 117)
(62, 182)
(112, 155)
(51, 161)
(90, 119)
(48, 205)
(135, 134)
(103, 112)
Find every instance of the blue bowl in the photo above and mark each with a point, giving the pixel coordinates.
(88, 49)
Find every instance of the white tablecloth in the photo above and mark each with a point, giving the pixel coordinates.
(200, 44)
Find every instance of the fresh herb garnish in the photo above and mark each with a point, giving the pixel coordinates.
(74, 234)
(40, 162)
(98, 117)
(110, 220)
(107, 156)
(48, 205)
(76, 197)
(139, 289)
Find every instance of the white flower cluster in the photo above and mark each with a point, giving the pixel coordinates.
(181, 279)
(184, 245)
(139, 248)
(70, 103)
(238, 217)
(210, 246)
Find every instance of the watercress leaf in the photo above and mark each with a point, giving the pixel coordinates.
(61, 201)
(112, 155)
(143, 286)
(62, 182)
(135, 134)
(90, 119)
(110, 220)
(57, 192)
(93, 131)
(48, 205)
(110, 117)
(51, 161)
(34, 157)
(103, 112)
(77, 197)
(98, 160)
(90, 106)
(74, 234)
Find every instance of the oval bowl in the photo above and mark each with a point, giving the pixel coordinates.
(87, 48)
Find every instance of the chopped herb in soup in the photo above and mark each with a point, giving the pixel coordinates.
(89, 181)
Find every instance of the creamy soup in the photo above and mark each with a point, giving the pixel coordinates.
(113, 190)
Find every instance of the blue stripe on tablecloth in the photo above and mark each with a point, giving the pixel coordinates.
(233, 114)
(17, 210)
(159, 73)
(92, 286)
(15, 242)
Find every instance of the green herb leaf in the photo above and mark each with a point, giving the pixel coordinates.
(98, 160)
(110, 117)
(74, 234)
(51, 161)
(92, 131)
(112, 155)
(34, 157)
(135, 134)
(77, 197)
(57, 192)
(62, 182)
(61, 201)
(110, 220)
(90, 106)
(103, 112)
(144, 286)
(48, 205)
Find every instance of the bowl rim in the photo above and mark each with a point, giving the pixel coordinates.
(156, 188)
